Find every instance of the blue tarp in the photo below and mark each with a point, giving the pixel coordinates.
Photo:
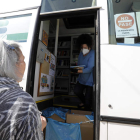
(62, 131)
(90, 117)
(61, 112)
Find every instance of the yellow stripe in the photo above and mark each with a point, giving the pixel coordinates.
(57, 96)
(53, 98)
(65, 106)
(65, 95)
(69, 95)
(44, 100)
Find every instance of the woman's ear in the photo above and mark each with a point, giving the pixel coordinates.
(89, 48)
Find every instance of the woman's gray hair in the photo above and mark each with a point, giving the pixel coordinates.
(9, 56)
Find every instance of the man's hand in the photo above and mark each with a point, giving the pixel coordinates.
(44, 122)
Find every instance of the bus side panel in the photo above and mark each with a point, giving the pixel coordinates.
(120, 81)
(103, 130)
(123, 132)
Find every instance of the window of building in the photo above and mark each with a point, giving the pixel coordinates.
(124, 22)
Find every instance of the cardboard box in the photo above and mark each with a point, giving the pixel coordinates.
(79, 116)
(57, 118)
(80, 112)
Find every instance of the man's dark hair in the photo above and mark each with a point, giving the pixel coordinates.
(84, 39)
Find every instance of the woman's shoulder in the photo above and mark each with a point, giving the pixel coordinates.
(26, 97)
(80, 53)
(92, 52)
(20, 98)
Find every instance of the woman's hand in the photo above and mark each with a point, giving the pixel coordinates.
(80, 71)
(74, 70)
(44, 122)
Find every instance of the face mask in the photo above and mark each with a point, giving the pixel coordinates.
(85, 51)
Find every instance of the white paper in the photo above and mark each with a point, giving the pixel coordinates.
(47, 52)
(125, 25)
(138, 21)
(129, 41)
(52, 84)
(45, 83)
(41, 52)
(52, 65)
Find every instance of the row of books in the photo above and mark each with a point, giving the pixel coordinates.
(62, 73)
(63, 53)
(61, 88)
(65, 44)
(74, 78)
(63, 63)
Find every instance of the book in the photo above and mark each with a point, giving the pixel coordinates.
(78, 67)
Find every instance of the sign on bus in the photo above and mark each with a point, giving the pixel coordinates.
(125, 25)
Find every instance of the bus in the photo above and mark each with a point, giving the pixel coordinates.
(115, 28)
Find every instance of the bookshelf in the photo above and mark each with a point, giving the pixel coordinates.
(51, 44)
(63, 57)
(67, 55)
(73, 62)
(59, 90)
(62, 67)
(62, 78)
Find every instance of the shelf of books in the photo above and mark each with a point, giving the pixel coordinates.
(67, 55)
(62, 80)
(62, 77)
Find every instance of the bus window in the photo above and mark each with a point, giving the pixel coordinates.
(57, 5)
(15, 27)
(124, 22)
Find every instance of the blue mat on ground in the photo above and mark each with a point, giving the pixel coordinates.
(62, 131)
(61, 112)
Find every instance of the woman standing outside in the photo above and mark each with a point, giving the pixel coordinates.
(85, 79)
(19, 115)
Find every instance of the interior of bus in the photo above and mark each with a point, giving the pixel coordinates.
(69, 30)
(62, 35)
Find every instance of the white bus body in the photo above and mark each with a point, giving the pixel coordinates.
(118, 117)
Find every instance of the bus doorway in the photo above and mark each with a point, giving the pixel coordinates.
(63, 28)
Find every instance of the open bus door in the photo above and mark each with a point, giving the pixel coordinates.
(20, 26)
(71, 13)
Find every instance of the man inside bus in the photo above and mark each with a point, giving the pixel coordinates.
(85, 78)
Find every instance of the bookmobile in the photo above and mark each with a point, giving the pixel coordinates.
(115, 28)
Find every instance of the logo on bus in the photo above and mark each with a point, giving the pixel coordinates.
(125, 21)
